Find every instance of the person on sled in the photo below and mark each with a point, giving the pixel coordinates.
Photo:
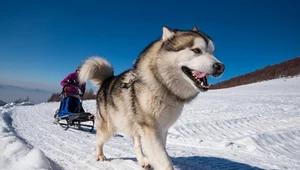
(71, 87)
(71, 84)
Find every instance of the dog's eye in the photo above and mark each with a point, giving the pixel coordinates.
(197, 50)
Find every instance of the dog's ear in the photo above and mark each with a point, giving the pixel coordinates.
(208, 39)
(195, 28)
(167, 33)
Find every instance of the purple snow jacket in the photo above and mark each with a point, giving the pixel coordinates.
(72, 88)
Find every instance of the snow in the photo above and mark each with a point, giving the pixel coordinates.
(15, 153)
(255, 126)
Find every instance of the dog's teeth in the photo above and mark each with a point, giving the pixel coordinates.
(202, 84)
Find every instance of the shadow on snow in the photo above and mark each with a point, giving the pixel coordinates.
(205, 163)
(209, 163)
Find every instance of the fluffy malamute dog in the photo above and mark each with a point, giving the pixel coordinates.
(145, 101)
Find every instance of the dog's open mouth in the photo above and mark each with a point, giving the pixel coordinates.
(199, 78)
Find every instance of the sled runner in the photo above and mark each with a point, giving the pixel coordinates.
(72, 113)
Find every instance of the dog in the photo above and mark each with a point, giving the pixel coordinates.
(146, 100)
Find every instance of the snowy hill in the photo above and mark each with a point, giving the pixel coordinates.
(11, 93)
(254, 126)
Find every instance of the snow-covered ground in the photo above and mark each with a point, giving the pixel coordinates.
(255, 126)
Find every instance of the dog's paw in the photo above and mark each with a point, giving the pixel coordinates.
(146, 166)
(100, 158)
(145, 163)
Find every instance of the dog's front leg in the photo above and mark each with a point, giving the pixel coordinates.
(155, 150)
(142, 159)
(164, 134)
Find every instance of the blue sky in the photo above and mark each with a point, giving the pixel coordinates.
(42, 41)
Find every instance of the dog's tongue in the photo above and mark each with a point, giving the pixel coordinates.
(199, 74)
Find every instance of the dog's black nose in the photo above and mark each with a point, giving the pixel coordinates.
(218, 69)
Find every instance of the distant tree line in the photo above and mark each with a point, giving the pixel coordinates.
(88, 95)
(22, 100)
(287, 68)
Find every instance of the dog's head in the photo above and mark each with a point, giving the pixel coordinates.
(188, 56)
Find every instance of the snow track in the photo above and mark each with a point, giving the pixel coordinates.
(255, 126)
(71, 149)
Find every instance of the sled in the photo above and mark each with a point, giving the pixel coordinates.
(72, 114)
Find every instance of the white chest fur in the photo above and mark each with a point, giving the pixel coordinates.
(169, 115)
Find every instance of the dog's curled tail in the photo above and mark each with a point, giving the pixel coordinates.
(96, 70)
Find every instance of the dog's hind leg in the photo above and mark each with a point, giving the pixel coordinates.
(142, 159)
(155, 149)
(103, 134)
